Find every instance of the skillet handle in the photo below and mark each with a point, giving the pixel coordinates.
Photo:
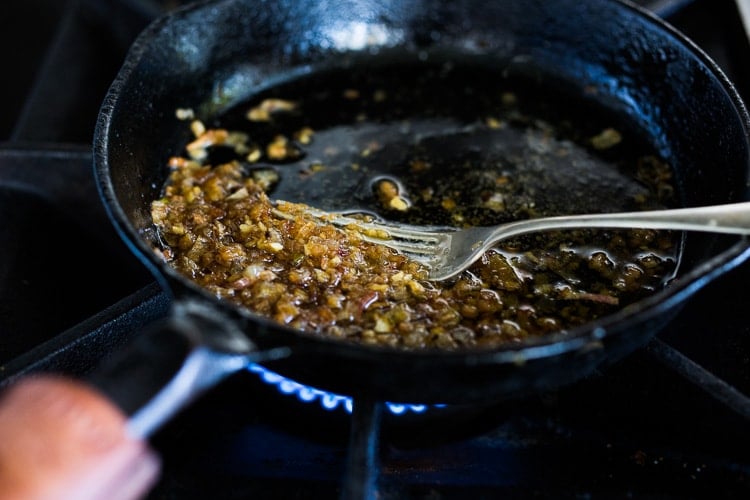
(173, 362)
(66, 439)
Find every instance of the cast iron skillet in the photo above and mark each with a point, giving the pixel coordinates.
(211, 56)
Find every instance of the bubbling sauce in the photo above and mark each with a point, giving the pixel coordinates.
(424, 144)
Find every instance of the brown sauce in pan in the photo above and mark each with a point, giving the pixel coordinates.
(427, 145)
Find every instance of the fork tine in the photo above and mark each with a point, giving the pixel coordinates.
(406, 246)
(405, 235)
(423, 238)
(425, 246)
(407, 239)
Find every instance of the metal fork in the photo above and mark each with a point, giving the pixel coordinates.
(449, 251)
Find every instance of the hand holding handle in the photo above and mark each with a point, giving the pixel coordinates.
(61, 439)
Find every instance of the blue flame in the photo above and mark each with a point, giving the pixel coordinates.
(327, 400)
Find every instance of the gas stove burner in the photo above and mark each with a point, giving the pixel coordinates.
(327, 400)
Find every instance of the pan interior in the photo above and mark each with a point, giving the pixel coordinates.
(436, 142)
(448, 133)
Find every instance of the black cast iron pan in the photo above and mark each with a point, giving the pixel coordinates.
(213, 56)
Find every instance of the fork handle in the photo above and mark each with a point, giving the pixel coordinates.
(732, 218)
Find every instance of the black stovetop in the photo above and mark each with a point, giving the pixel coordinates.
(669, 421)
